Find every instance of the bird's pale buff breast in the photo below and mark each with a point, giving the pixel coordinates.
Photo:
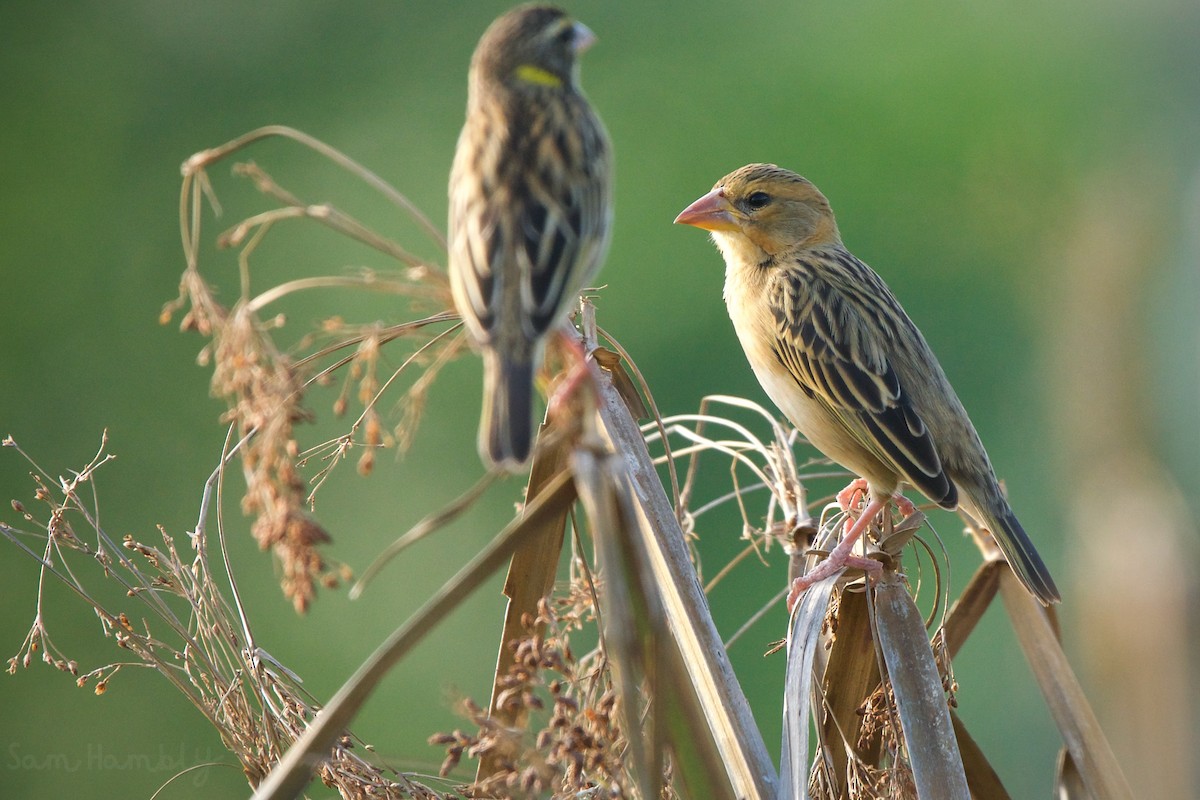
(747, 298)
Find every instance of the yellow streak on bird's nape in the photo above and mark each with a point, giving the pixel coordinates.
(537, 76)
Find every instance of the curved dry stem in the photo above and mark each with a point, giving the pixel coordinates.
(749, 405)
(198, 162)
(294, 771)
(426, 526)
(365, 281)
(327, 215)
(730, 448)
(644, 385)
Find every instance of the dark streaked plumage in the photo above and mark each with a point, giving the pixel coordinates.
(530, 209)
(835, 351)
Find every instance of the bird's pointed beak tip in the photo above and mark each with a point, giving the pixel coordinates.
(712, 212)
(584, 38)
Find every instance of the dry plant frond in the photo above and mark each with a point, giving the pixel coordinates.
(880, 699)
(721, 707)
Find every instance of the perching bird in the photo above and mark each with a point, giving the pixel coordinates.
(530, 209)
(834, 350)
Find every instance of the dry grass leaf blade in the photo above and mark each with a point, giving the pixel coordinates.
(726, 710)
(611, 361)
(530, 578)
(804, 641)
(970, 606)
(850, 675)
(294, 771)
(937, 766)
(640, 642)
(1069, 783)
(981, 776)
(697, 759)
(633, 615)
(1085, 741)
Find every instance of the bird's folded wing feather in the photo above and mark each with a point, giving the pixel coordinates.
(835, 342)
(538, 223)
(549, 241)
(564, 226)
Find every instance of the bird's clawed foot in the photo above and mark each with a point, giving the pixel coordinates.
(904, 506)
(843, 556)
(838, 558)
(848, 498)
(856, 492)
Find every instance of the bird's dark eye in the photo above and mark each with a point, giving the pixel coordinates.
(757, 200)
(567, 34)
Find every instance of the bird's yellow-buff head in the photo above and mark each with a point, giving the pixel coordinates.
(771, 208)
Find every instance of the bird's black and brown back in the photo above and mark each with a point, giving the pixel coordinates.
(530, 202)
(847, 343)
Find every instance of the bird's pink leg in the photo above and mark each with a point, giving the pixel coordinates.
(841, 556)
(848, 498)
(576, 375)
(904, 505)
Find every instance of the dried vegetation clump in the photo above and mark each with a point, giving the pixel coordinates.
(569, 740)
(653, 709)
(178, 621)
(265, 384)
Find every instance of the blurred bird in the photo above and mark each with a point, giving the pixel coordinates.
(530, 209)
(834, 350)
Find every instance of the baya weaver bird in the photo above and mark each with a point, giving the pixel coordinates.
(836, 353)
(530, 209)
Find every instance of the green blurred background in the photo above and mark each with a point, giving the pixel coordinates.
(963, 146)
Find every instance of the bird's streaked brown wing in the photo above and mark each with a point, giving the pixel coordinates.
(554, 193)
(824, 341)
(565, 223)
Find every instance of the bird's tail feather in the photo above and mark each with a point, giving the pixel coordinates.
(506, 425)
(1022, 556)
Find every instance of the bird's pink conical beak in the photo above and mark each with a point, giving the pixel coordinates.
(712, 212)
(584, 38)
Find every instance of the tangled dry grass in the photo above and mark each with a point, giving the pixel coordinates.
(191, 631)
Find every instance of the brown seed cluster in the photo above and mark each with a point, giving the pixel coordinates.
(264, 382)
(568, 739)
(265, 394)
